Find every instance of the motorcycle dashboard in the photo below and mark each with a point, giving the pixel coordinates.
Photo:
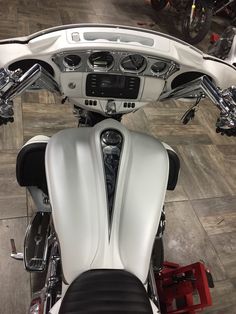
(111, 69)
(128, 78)
(91, 78)
(94, 65)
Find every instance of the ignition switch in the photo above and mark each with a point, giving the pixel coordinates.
(110, 107)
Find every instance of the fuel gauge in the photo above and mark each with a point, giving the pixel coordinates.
(158, 67)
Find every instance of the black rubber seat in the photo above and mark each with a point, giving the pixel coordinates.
(30, 166)
(106, 291)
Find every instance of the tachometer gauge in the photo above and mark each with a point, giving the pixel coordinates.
(133, 63)
(72, 61)
(158, 67)
(101, 60)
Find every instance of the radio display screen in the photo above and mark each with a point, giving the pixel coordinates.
(112, 86)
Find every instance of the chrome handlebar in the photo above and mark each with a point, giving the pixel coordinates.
(225, 100)
(13, 83)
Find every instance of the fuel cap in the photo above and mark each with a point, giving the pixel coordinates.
(111, 137)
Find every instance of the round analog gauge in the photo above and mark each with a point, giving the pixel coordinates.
(158, 67)
(134, 63)
(72, 61)
(101, 60)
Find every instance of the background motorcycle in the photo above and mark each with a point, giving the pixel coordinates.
(196, 16)
(224, 46)
(119, 63)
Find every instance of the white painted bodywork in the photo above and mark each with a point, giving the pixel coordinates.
(83, 38)
(74, 165)
(77, 191)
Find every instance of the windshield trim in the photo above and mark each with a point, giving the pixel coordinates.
(27, 39)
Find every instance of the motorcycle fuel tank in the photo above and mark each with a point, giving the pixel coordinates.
(107, 187)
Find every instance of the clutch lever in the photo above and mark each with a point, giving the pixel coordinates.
(19, 83)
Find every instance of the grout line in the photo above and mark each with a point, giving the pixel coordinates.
(202, 199)
(10, 218)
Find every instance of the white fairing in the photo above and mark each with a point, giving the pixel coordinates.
(182, 63)
(77, 189)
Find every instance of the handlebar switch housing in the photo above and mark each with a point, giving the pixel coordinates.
(4, 77)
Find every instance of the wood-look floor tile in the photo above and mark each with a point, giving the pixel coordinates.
(168, 116)
(11, 134)
(12, 207)
(177, 195)
(9, 187)
(164, 121)
(186, 241)
(180, 135)
(45, 97)
(225, 245)
(23, 28)
(219, 224)
(223, 297)
(75, 17)
(30, 97)
(136, 121)
(203, 172)
(46, 119)
(217, 215)
(214, 206)
(15, 281)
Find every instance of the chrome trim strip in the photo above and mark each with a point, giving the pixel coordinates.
(116, 67)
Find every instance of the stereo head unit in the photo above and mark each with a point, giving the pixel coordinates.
(112, 86)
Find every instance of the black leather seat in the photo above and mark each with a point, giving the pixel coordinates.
(30, 165)
(174, 167)
(107, 291)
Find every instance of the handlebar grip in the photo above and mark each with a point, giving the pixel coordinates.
(228, 132)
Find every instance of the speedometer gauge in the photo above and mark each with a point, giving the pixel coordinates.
(101, 60)
(133, 63)
(72, 61)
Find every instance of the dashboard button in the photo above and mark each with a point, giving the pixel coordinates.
(75, 36)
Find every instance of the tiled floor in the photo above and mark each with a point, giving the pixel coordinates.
(201, 216)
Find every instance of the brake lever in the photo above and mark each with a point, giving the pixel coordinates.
(190, 113)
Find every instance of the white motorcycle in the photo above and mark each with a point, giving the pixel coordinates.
(99, 190)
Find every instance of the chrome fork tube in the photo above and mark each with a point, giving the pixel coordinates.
(224, 6)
